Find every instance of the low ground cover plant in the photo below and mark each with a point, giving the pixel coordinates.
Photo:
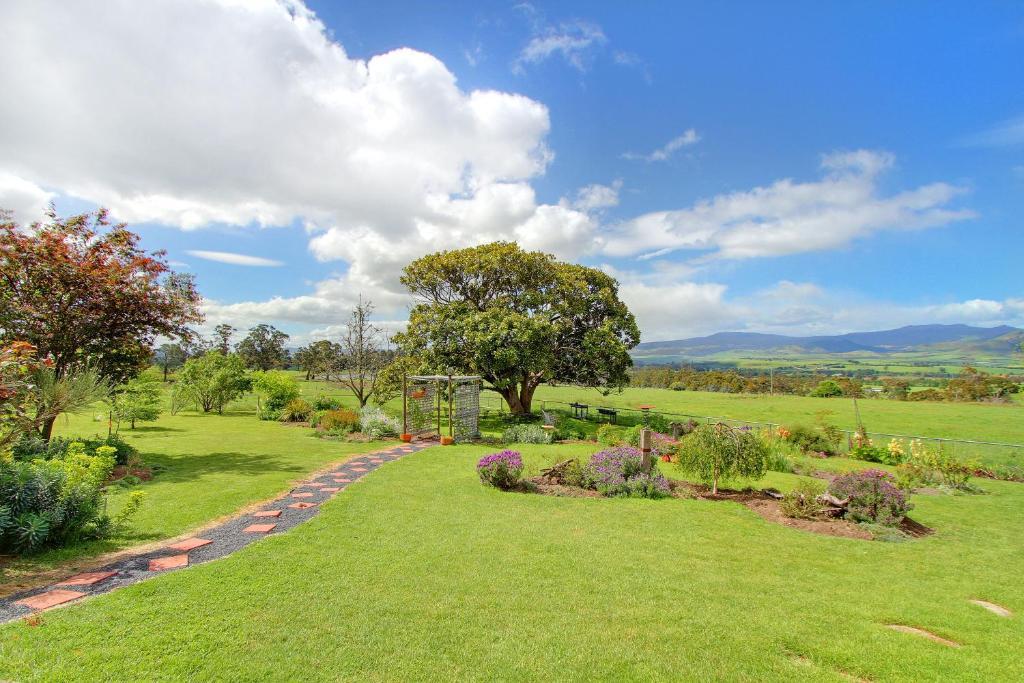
(802, 501)
(527, 433)
(33, 447)
(871, 496)
(501, 470)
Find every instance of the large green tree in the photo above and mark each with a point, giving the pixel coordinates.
(519, 319)
(263, 348)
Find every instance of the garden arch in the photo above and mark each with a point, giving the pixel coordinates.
(428, 399)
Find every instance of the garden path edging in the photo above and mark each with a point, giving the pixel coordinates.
(299, 504)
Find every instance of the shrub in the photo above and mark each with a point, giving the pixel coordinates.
(658, 422)
(323, 402)
(777, 454)
(869, 453)
(526, 433)
(802, 501)
(500, 470)
(872, 497)
(677, 386)
(809, 439)
(296, 410)
(716, 452)
(341, 420)
(56, 501)
(618, 471)
(32, 447)
(827, 389)
(277, 388)
(611, 435)
(376, 424)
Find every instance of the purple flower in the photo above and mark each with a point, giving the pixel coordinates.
(501, 470)
(619, 472)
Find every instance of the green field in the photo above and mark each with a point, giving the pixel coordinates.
(421, 573)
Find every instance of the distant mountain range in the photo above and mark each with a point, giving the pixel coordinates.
(947, 338)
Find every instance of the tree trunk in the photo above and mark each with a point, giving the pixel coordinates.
(520, 400)
(165, 374)
(46, 431)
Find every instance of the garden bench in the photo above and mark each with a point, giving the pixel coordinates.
(579, 410)
(610, 413)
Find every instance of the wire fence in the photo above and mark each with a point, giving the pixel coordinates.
(990, 453)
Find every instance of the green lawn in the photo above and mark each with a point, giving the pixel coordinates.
(419, 572)
(212, 465)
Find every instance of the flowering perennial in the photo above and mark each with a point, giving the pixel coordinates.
(619, 471)
(501, 470)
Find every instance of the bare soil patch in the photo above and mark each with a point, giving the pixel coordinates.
(903, 628)
(993, 607)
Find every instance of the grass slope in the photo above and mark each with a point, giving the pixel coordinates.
(420, 573)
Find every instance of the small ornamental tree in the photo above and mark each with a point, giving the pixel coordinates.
(518, 319)
(138, 401)
(210, 381)
(717, 452)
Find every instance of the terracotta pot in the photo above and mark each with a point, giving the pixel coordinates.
(419, 393)
(406, 437)
(447, 441)
(666, 458)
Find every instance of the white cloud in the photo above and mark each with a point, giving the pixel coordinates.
(788, 217)
(596, 197)
(663, 153)
(257, 116)
(233, 259)
(26, 201)
(574, 41)
(1006, 134)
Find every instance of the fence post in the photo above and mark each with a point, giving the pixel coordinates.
(646, 461)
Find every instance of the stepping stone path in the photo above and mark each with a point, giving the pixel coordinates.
(913, 630)
(216, 542)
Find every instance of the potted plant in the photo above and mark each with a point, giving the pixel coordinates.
(447, 440)
(417, 393)
(406, 437)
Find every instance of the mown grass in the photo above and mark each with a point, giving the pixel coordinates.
(420, 573)
(208, 466)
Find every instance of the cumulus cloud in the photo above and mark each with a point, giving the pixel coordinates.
(257, 116)
(665, 152)
(26, 201)
(234, 259)
(596, 197)
(789, 217)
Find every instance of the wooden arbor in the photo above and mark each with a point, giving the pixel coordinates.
(428, 398)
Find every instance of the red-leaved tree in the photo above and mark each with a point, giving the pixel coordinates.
(83, 292)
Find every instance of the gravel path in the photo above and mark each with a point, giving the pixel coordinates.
(278, 516)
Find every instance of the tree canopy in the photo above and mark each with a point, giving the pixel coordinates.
(83, 292)
(518, 319)
(263, 348)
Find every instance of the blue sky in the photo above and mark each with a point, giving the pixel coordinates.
(800, 167)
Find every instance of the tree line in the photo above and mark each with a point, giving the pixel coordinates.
(969, 385)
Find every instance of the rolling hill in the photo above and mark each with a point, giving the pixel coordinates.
(949, 339)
